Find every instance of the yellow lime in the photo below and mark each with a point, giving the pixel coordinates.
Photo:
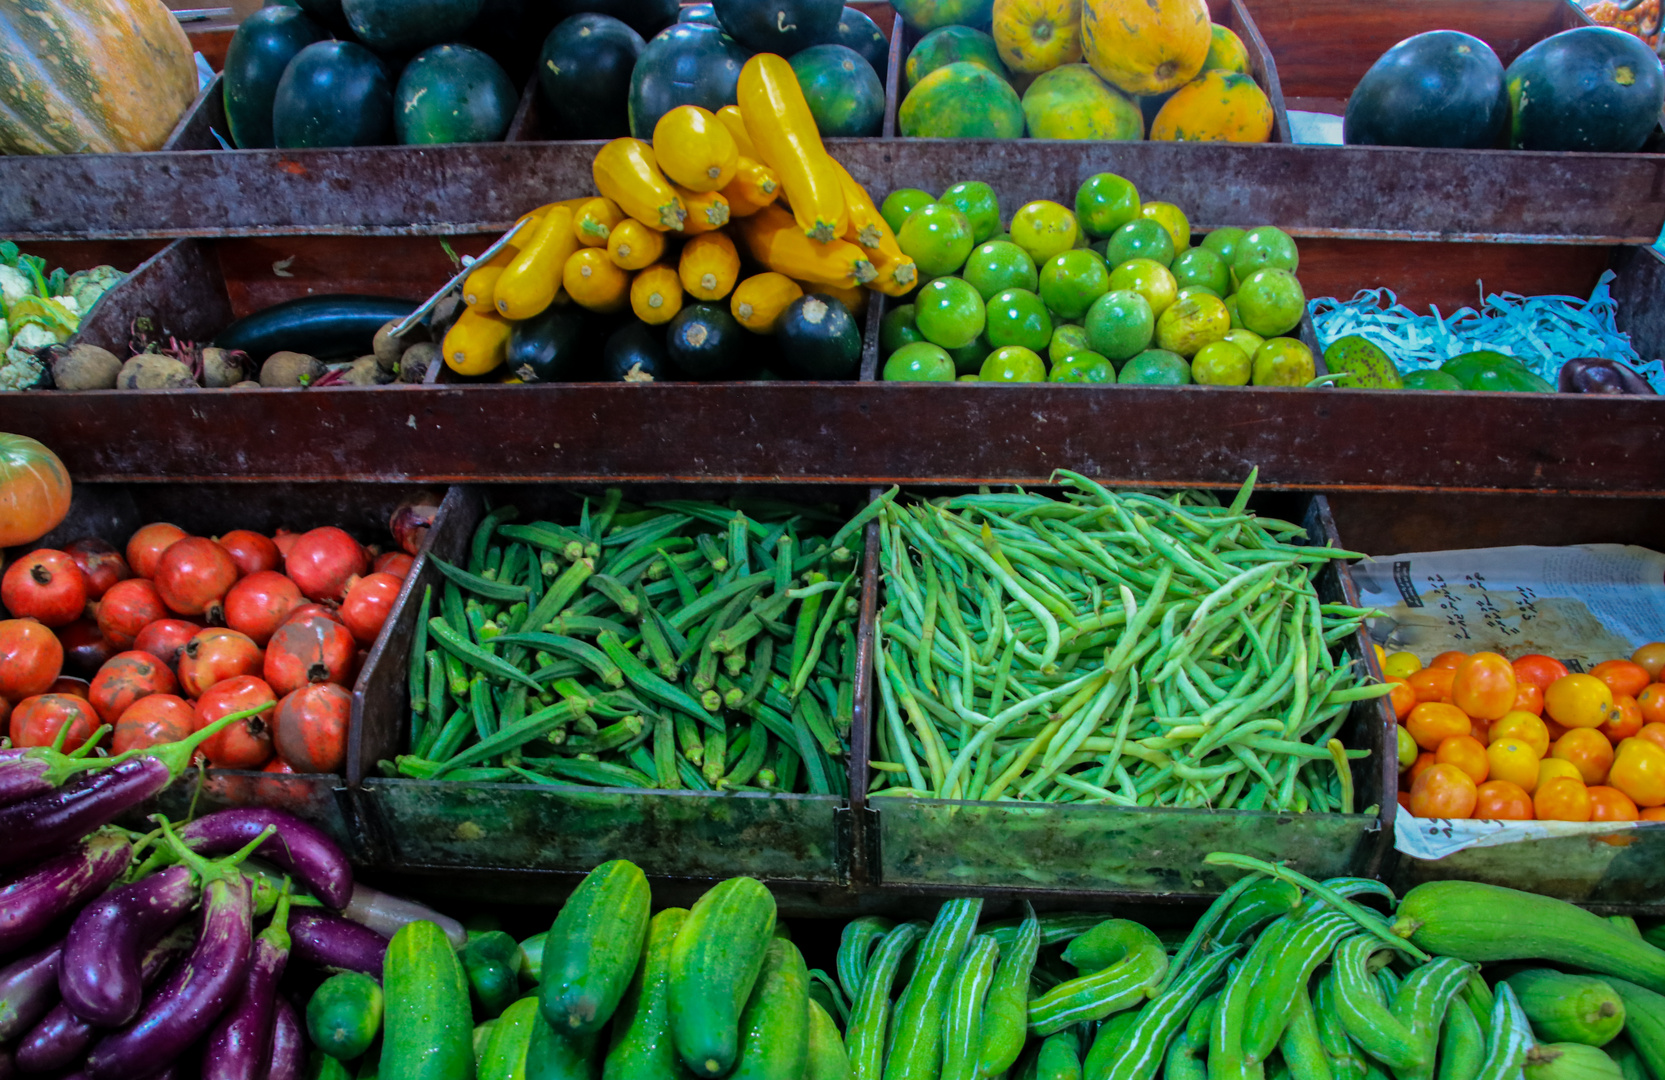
(1104, 203)
(1170, 217)
(1220, 363)
(1401, 665)
(919, 362)
(1271, 302)
(1149, 279)
(1044, 229)
(1014, 363)
(1284, 361)
(1247, 340)
(1191, 323)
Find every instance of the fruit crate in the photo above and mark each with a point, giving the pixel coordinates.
(417, 826)
(1617, 873)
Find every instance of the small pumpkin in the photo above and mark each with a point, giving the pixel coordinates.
(1217, 106)
(1146, 46)
(34, 490)
(1037, 35)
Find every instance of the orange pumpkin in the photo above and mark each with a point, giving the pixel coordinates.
(1217, 106)
(34, 490)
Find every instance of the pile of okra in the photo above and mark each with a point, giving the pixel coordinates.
(676, 645)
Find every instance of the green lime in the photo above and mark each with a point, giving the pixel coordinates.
(1247, 340)
(968, 359)
(1067, 338)
(967, 378)
(1265, 245)
(1191, 323)
(949, 313)
(1001, 237)
(1200, 266)
(1171, 218)
(1014, 363)
(1149, 279)
(919, 362)
(1271, 302)
(937, 238)
(897, 329)
(1284, 361)
(1223, 242)
(1104, 203)
(1231, 309)
(1017, 317)
(902, 202)
(1120, 324)
(1044, 229)
(1000, 264)
(1072, 280)
(1083, 367)
(1195, 290)
(1140, 239)
(1156, 367)
(1220, 363)
(980, 205)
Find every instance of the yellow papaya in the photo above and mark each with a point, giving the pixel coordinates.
(1145, 46)
(1217, 106)
(1072, 102)
(1226, 52)
(1037, 35)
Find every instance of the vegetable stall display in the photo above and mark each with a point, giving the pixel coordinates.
(39, 312)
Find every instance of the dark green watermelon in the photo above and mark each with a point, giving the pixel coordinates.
(296, 4)
(699, 13)
(453, 94)
(584, 74)
(780, 26)
(686, 64)
(856, 31)
(402, 26)
(1442, 88)
(1592, 88)
(326, 13)
(844, 92)
(646, 17)
(334, 93)
(254, 61)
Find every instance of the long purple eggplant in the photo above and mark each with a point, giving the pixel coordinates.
(34, 770)
(329, 941)
(33, 901)
(28, 990)
(60, 1040)
(287, 1056)
(101, 974)
(298, 848)
(239, 1045)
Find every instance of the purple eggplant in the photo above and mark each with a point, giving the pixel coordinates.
(329, 941)
(1594, 375)
(238, 1047)
(28, 990)
(287, 1054)
(23, 776)
(298, 848)
(35, 900)
(101, 974)
(385, 914)
(8, 1069)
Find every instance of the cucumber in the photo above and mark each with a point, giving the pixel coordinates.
(491, 963)
(774, 1029)
(344, 1015)
(715, 960)
(531, 959)
(1570, 1061)
(592, 950)
(480, 1039)
(828, 1059)
(641, 1042)
(1629, 1061)
(1569, 1008)
(329, 327)
(1644, 1024)
(511, 1038)
(428, 1030)
(553, 1056)
(322, 1066)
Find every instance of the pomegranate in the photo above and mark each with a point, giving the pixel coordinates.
(310, 728)
(45, 585)
(307, 611)
(279, 767)
(312, 650)
(31, 658)
(251, 551)
(127, 608)
(215, 655)
(165, 639)
(283, 539)
(323, 562)
(260, 603)
(150, 721)
(193, 577)
(101, 564)
(396, 563)
(241, 746)
(145, 547)
(412, 520)
(85, 649)
(37, 720)
(69, 684)
(126, 678)
(368, 604)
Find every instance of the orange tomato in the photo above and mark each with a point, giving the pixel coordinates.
(1651, 656)
(1611, 804)
(1562, 800)
(1424, 761)
(1523, 726)
(1403, 699)
(1649, 813)
(1467, 753)
(1589, 752)
(1552, 768)
(1515, 761)
(1433, 684)
(1484, 686)
(1652, 703)
(1579, 701)
(1639, 771)
(1499, 800)
(1432, 722)
(1625, 721)
(1555, 730)
(1622, 676)
(1528, 698)
(1448, 660)
(1654, 733)
(1539, 670)
(1443, 791)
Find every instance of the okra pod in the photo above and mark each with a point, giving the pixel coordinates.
(476, 584)
(419, 656)
(471, 654)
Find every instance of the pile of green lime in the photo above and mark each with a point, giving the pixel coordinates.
(1111, 292)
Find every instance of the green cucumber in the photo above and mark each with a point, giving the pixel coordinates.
(553, 1056)
(828, 1059)
(1569, 1008)
(592, 950)
(715, 961)
(641, 1041)
(774, 1028)
(511, 1038)
(428, 1027)
(1060, 1057)
(531, 959)
(1644, 1023)
(1630, 1062)
(344, 1015)
(491, 963)
(917, 1051)
(1570, 1061)
(480, 1039)
(322, 1066)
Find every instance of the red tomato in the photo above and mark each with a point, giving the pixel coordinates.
(1484, 686)
(1539, 670)
(45, 585)
(1622, 677)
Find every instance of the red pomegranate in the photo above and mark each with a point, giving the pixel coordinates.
(145, 547)
(368, 604)
(307, 611)
(396, 563)
(310, 728)
(279, 767)
(260, 603)
(85, 649)
(68, 684)
(31, 658)
(214, 655)
(323, 561)
(283, 540)
(101, 564)
(126, 678)
(45, 585)
(127, 608)
(241, 746)
(251, 551)
(412, 520)
(313, 650)
(165, 639)
(193, 577)
(37, 720)
(150, 721)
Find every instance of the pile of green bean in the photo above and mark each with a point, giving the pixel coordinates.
(1107, 647)
(683, 644)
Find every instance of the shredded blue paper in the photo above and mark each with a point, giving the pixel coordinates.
(1543, 332)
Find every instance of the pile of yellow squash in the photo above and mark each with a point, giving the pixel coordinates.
(672, 216)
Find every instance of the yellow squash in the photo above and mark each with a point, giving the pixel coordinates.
(736, 124)
(656, 294)
(595, 283)
(1145, 46)
(754, 186)
(774, 239)
(480, 287)
(1216, 106)
(896, 273)
(787, 140)
(760, 301)
(707, 210)
(626, 172)
(530, 283)
(633, 246)
(695, 149)
(709, 266)
(1037, 35)
(593, 221)
(476, 343)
